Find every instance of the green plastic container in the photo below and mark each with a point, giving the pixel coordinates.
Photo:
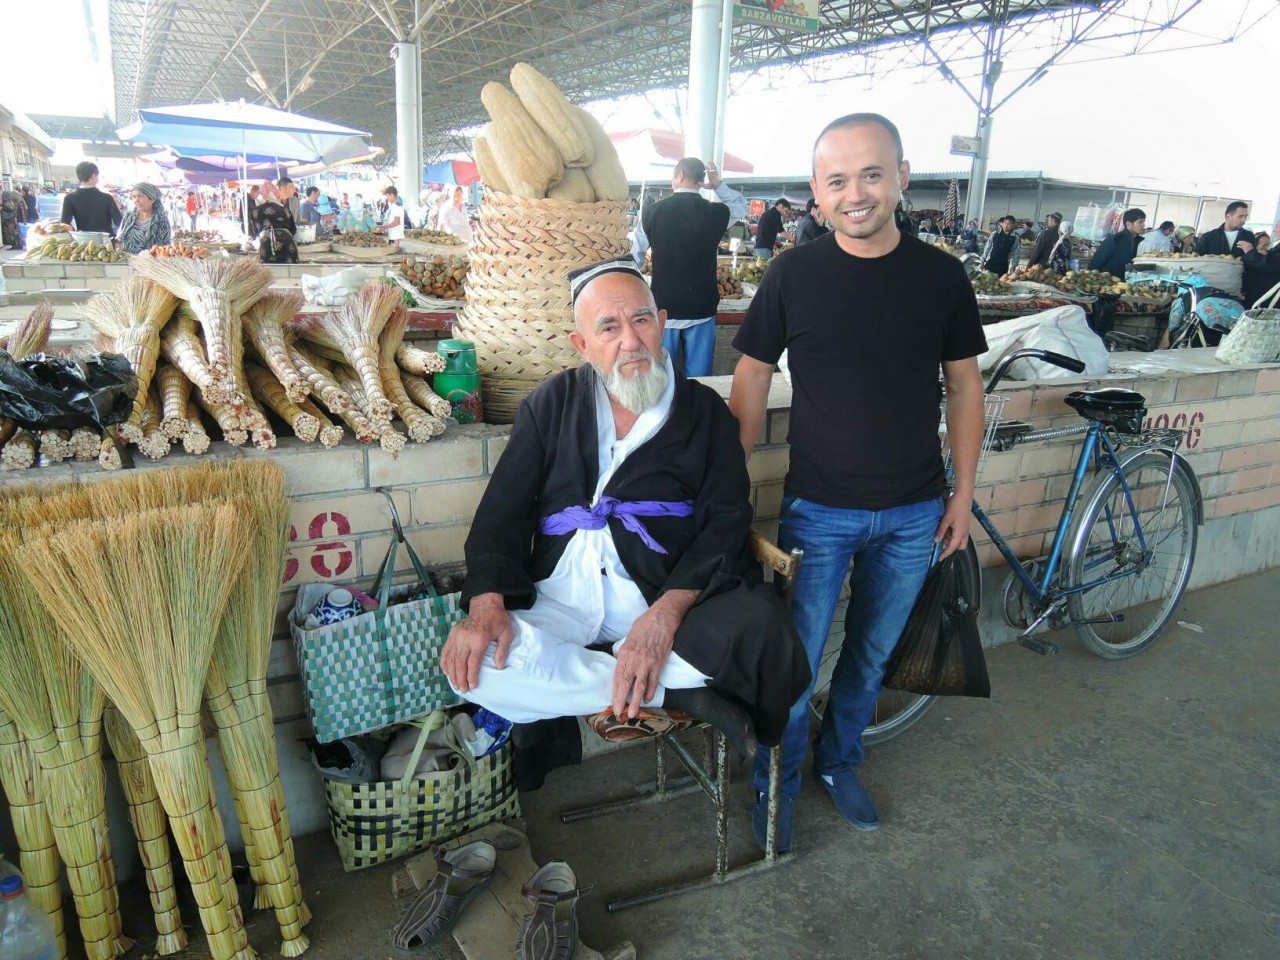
(459, 382)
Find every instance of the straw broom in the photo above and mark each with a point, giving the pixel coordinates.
(195, 440)
(19, 452)
(55, 445)
(155, 442)
(417, 361)
(264, 326)
(322, 385)
(390, 439)
(175, 393)
(57, 707)
(31, 337)
(38, 853)
(228, 420)
(421, 425)
(267, 389)
(219, 291)
(354, 328)
(84, 443)
(150, 651)
(330, 433)
(130, 317)
(151, 828)
(420, 392)
(108, 455)
(181, 345)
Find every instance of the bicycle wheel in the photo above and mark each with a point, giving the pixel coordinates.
(1122, 617)
(896, 710)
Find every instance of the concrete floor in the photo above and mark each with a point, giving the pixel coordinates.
(1091, 809)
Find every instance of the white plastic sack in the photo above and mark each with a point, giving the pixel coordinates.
(334, 289)
(1063, 330)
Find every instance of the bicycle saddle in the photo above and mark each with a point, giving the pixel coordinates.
(1122, 409)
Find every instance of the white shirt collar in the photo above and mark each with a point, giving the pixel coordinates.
(613, 451)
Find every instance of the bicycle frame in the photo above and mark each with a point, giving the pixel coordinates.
(1098, 452)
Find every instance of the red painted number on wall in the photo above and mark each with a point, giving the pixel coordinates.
(291, 564)
(1187, 422)
(330, 560)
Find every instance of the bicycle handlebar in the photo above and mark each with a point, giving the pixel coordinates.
(1048, 356)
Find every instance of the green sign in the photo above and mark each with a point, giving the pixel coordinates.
(787, 14)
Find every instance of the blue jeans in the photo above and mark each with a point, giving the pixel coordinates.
(698, 345)
(890, 550)
(763, 253)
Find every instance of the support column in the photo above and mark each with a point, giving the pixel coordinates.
(704, 77)
(408, 122)
(722, 87)
(978, 173)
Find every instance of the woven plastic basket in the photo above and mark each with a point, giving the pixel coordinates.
(518, 311)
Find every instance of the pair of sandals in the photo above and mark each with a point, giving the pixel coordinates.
(462, 875)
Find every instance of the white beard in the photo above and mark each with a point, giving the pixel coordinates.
(640, 391)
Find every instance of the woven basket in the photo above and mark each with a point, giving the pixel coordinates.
(519, 313)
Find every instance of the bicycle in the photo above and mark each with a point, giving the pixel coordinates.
(1118, 565)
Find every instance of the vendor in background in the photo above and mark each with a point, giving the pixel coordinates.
(769, 227)
(1042, 252)
(1229, 237)
(1184, 240)
(309, 209)
(1115, 253)
(146, 225)
(1159, 240)
(929, 229)
(1261, 268)
(88, 208)
(454, 219)
(393, 220)
(812, 225)
(193, 208)
(971, 236)
(275, 227)
(288, 195)
(1003, 249)
(1061, 255)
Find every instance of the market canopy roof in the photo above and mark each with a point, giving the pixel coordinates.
(245, 129)
(663, 149)
(339, 68)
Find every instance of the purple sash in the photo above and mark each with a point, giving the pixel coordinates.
(628, 511)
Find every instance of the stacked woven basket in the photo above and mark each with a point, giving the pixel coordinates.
(518, 312)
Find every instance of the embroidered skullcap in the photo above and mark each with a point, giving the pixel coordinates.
(579, 279)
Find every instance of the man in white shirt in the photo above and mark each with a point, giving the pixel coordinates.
(454, 219)
(393, 223)
(1159, 240)
(608, 568)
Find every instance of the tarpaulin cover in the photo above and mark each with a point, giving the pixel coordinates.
(53, 392)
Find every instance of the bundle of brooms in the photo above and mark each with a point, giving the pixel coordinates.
(235, 687)
(18, 447)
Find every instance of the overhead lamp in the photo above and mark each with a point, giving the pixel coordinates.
(997, 67)
(257, 81)
(304, 85)
(1038, 76)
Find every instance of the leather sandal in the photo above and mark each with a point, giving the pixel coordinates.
(461, 876)
(551, 932)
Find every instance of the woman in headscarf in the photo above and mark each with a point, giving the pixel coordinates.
(146, 225)
(1184, 240)
(275, 228)
(1060, 255)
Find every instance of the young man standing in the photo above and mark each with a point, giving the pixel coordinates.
(685, 230)
(1003, 249)
(770, 227)
(88, 208)
(867, 314)
(1228, 237)
(1115, 253)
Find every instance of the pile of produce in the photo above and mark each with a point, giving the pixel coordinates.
(433, 236)
(178, 249)
(197, 236)
(436, 276)
(539, 145)
(186, 634)
(986, 283)
(728, 281)
(1091, 281)
(61, 247)
(1030, 274)
(752, 271)
(373, 241)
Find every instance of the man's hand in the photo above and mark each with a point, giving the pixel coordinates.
(713, 175)
(953, 528)
(1244, 245)
(644, 653)
(469, 641)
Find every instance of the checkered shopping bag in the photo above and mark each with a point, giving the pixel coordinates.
(381, 667)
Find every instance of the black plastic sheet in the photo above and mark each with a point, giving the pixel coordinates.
(54, 392)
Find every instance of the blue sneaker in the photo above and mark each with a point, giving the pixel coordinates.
(760, 821)
(851, 799)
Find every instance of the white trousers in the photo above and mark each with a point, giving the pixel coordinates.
(551, 673)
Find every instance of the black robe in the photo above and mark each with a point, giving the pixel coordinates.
(738, 632)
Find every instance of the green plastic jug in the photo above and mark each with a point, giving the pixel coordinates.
(459, 382)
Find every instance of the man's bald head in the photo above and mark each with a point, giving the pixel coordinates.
(611, 294)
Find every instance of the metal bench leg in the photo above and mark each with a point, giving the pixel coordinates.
(662, 789)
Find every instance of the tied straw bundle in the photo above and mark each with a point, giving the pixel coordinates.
(421, 424)
(390, 439)
(57, 707)
(354, 329)
(264, 325)
(38, 853)
(219, 291)
(32, 336)
(151, 828)
(129, 318)
(150, 650)
(181, 344)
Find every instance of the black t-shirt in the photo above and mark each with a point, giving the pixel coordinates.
(88, 208)
(770, 227)
(864, 340)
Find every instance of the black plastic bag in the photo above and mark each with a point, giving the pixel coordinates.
(52, 392)
(940, 651)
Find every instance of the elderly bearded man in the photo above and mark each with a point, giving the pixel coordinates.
(608, 565)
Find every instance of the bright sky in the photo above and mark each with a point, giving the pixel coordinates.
(1204, 120)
